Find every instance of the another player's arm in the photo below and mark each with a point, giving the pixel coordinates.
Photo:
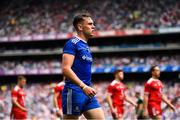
(164, 98)
(109, 101)
(15, 102)
(55, 97)
(67, 61)
(128, 99)
(56, 94)
(145, 103)
(172, 102)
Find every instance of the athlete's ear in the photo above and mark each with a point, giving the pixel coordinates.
(79, 26)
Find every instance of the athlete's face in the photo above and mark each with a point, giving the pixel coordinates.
(22, 82)
(156, 72)
(88, 27)
(120, 76)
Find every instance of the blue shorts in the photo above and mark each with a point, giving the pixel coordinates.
(75, 102)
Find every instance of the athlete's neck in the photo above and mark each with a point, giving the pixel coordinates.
(83, 37)
(118, 80)
(154, 77)
(20, 86)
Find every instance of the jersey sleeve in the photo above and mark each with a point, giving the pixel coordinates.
(14, 93)
(56, 89)
(147, 88)
(110, 89)
(70, 48)
(61, 87)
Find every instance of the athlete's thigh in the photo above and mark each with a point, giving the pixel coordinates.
(95, 113)
(73, 102)
(120, 112)
(155, 111)
(157, 117)
(19, 116)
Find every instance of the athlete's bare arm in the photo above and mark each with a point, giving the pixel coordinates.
(14, 101)
(164, 98)
(55, 97)
(67, 61)
(109, 101)
(128, 99)
(145, 104)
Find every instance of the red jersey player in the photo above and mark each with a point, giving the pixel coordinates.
(153, 95)
(58, 98)
(18, 97)
(116, 95)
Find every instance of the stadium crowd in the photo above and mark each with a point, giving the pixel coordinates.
(40, 104)
(54, 65)
(137, 61)
(30, 67)
(51, 17)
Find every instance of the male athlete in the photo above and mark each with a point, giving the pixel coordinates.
(58, 98)
(139, 108)
(78, 94)
(153, 95)
(18, 97)
(116, 95)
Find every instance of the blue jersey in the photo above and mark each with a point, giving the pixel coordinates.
(82, 61)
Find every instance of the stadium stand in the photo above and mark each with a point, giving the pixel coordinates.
(131, 35)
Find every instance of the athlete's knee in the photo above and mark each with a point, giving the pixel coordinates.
(159, 117)
(94, 114)
(101, 114)
(70, 117)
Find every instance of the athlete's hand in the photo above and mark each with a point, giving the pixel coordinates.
(145, 114)
(58, 113)
(24, 109)
(89, 91)
(113, 112)
(173, 108)
(135, 105)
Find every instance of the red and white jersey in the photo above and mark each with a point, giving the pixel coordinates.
(19, 94)
(153, 88)
(58, 89)
(117, 91)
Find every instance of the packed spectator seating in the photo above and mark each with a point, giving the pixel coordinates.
(51, 17)
(40, 104)
(43, 19)
(137, 61)
(30, 67)
(105, 64)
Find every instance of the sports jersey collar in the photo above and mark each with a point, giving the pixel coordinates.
(80, 39)
(152, 79)
(117, 81)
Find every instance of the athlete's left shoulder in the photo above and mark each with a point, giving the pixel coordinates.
(61, 84)
(113, 83)
(74, 40)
